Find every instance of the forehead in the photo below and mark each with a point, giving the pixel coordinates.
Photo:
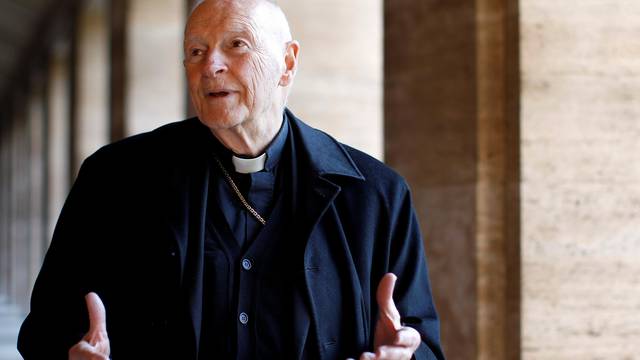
(224, 15)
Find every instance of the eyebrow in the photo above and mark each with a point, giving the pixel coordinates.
(194, 38)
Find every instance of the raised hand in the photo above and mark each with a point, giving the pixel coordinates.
(95, 344)
(392, 340)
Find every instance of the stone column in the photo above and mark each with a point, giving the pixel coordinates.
(13, 200)
(339, 84)
(21, 198)
(37, 202)
(155, 75)
(5, 211)
(580, 179)
(497, 189)
(117, 67)
(451, 130)
(431, 139)
(92, 125)
(58, 158)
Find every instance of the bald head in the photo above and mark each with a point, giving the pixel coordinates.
(272, 16)
(198, 2)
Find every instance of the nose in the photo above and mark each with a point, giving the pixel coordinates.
(216, 64)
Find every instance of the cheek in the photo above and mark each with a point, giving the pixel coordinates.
(262, 77)
(193, 84)
(193, 79)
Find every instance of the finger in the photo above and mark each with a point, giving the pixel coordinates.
(393, 352)
(83, 351)
(97, 314)
(367, 356)
(80, 348)
(384, 296)
(407, 337)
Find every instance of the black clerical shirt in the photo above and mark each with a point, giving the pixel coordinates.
(247, 292)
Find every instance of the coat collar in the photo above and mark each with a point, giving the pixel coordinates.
(325, 154)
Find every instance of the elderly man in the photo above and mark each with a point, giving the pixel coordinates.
(242, 233)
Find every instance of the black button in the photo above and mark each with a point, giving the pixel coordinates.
(244, 318)
(246, 264)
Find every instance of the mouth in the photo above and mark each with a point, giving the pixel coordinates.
(218, 94)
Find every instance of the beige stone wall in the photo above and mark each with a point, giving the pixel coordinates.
(581, 179)
(156, 81)
(339, 84)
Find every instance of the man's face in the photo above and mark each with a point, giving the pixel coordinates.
(234, 63)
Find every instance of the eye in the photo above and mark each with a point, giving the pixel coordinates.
(238, 43)
(195, 52)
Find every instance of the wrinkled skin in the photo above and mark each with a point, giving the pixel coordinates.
(240, 63)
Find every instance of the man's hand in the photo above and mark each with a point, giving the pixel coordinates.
(95, 344)
(392, 340)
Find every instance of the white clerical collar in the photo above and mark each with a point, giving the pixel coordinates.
(248, 166)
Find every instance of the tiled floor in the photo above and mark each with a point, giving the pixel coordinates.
(10, 320)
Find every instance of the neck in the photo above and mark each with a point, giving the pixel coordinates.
(250, 138)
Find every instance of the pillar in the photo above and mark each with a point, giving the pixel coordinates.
(338, 87)
(430, 138)
(117, 67)
(451, 99)
(20, 194)
(58, 137)
(155, 74)
(37, 178)
(5, 211)
(498, 172)
(92, 126)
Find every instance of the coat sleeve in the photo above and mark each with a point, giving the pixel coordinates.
(58, 316)
(412, 293)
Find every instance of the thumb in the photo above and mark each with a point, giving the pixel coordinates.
(97, 314)
(388, 312)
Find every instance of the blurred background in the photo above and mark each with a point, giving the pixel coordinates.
(516, 124)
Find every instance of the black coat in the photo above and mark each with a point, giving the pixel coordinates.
(132, 230)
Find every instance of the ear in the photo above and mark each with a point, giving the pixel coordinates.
(290, 62)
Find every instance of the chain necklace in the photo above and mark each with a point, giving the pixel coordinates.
(237, 191)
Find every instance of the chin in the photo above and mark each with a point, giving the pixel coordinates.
(220, 121)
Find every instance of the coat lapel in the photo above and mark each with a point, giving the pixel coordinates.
(194, 267)
(185, 216)
(335, 302)
(319, 199)
(319, 159)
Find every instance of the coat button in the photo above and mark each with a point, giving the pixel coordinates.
(246, 264)
(244, 318)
